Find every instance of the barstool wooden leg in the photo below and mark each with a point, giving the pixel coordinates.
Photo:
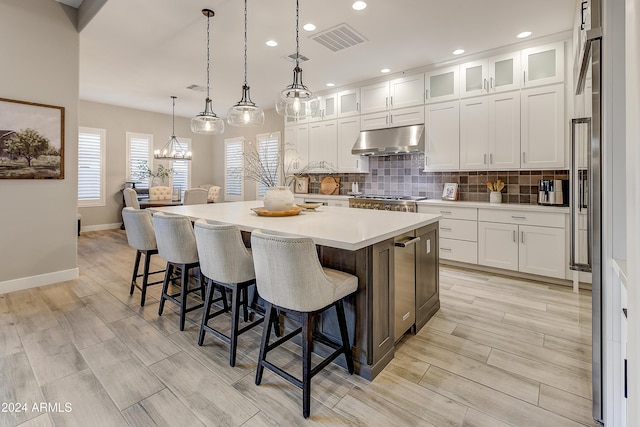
(165, 287)
(235, 319)
(264, 343)
(145, 277)
(206, 309)
(245, 303)
(183, 297)
(136, 264)
(344, 333)
(307, 338)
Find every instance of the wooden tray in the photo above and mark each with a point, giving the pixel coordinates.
(330, 185)
(264, 212)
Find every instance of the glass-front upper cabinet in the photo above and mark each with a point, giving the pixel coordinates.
(543, 65)
(496, 74)
(328, 108)
(349, 103)
(441, 85)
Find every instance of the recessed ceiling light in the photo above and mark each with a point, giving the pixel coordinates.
(331, 84)
(272, 43)
(359, 5)
(385, 70)
(309, 27)
(458, 51)
(524, 34)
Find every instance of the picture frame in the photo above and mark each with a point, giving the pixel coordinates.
(31, 140)
(450, 191)
(301, 185)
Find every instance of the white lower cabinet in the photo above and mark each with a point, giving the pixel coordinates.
(458, 232)
(531, 243)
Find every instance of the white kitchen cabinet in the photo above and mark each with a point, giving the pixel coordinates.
(542, 127)
(490, 132)
(496, 74)
(348, 133)
(442, 84)
(527, 242)
(296, 147)
(328, 108)
(323, 143)
(291, 121)
(442, 138)
(349, 103)
(375, 97)
(543, 65)
(474, 78)
(406, 91)
(458, 230)
(394, 118)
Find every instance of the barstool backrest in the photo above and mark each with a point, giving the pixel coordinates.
(139, 227)
(223, 256)
(288, 272)
(131, 198)
(176, 241)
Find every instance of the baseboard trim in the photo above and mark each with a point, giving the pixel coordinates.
(101, 227)
(39, 280)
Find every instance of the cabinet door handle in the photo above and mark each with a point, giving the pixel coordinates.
(491, 83)
(445, 249)
(518, 217)
(357, 106)
(522, 236)
(445, 212)
(491, 159)
(386, 120)
(524, 159)
(524, 78)
(485, 85)
(445, 228)
(426, 94)
(514, 236)
(386, 102)
(484, 161)
(392, 101)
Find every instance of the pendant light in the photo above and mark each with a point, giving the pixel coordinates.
(245, 113)
(173, 149)
(296, 100)
(207, 122)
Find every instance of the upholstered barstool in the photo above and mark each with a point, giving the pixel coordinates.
(142, 238)
(130, 198)
(228, 265)
(195, 196)
(289, 277)
(177, 245)
(214, 194)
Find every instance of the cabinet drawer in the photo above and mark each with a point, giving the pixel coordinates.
(448, 212)
(551, 219)
(459, 229)
(459, 250)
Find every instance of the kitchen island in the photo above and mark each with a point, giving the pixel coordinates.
(362, 243)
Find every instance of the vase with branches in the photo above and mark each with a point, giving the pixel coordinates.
(145, 172)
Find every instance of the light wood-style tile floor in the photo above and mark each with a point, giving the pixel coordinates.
(500, 352)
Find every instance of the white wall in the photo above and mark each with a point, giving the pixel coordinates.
(40, 64)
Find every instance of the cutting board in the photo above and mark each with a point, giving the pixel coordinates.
(330, 185)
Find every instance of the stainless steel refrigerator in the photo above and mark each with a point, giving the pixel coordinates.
(586, 182)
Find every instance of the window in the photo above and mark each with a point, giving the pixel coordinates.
(269, 151)
(233, 169)
(182, 169)
(91, 153)
(138, 151)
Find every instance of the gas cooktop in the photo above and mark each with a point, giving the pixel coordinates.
(384, 197)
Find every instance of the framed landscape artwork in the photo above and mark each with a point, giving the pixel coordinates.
(31, 140)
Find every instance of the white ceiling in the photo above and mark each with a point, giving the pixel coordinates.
(139, 53)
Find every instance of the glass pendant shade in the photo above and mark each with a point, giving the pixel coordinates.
(173, 149)
(296, 100)
(245, 113)
(207, 122)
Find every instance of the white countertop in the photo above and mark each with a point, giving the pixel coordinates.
(337, 227)
(487, 205)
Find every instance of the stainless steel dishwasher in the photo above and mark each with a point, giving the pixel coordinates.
(405, 282)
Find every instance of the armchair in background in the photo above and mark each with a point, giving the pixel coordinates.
(160, 192)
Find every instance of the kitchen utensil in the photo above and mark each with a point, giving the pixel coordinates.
(330, 185)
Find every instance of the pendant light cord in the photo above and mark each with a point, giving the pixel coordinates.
(297, 36)
(208, 61)
(173, 118)
(245, 42)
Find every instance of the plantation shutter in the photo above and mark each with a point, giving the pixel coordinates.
(268, 150)
(182, 169)
(138, 152)
(91, 148)
(234, 169)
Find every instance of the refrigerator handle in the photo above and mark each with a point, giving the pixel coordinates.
(576, 176)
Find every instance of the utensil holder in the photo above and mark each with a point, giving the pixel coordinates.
(495, 197)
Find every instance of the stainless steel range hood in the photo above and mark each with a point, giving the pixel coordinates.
(384, 142)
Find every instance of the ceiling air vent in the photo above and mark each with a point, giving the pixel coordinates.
(339, 37)
(292, 58)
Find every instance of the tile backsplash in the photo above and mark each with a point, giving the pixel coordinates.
(403, 175)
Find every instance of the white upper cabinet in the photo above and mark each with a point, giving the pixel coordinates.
(323, 143)
(375, 97)
(393, 118)
(406, 91)
(349, 103)
(543, 65)
(542, 127)
(296, 147)
(474, 133)
(442, 138)
(496, 74)
(348, 133)
(442, 84)
(328, 108)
